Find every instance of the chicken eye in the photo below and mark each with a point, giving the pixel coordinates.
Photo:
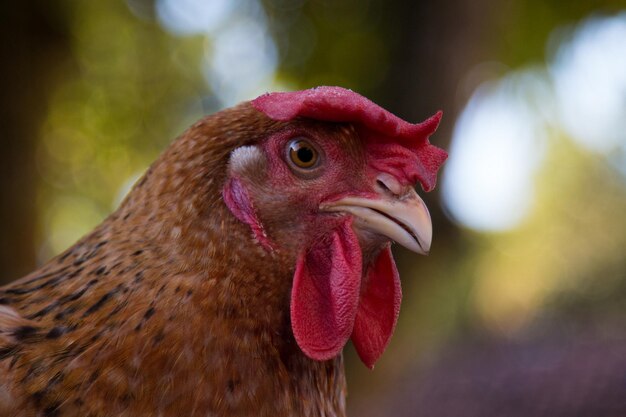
(303, 154)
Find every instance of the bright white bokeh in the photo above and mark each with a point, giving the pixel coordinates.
(242, 61)
(497, 144)
(240, 58)
(589, 73)
(190, 17)
(499, 138)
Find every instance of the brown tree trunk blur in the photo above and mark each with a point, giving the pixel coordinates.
(32, 47)
(439, 42)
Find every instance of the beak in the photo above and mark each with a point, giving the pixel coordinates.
(404, 220)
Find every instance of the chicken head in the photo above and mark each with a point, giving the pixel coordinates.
(331, 188)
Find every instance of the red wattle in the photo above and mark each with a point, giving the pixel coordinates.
(378, 310)
(325, 293)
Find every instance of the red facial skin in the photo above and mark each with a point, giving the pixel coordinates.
(287, 203)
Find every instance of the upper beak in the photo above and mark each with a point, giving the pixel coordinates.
(404, 220)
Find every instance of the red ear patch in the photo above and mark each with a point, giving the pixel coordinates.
(238, 201)
(325, 293)
(377, 125)
(379, 309)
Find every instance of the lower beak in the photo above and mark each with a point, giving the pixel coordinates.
(404, 220)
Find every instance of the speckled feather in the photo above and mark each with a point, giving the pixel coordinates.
(168, 308)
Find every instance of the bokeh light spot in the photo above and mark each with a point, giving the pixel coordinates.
(589, 75)
(497, 144)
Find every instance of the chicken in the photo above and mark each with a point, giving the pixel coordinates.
(232, 275)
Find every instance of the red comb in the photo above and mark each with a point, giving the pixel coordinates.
(377, 126)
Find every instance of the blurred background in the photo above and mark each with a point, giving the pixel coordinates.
(521, 307)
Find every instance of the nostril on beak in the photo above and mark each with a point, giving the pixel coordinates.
(382, 185)
(389, 184)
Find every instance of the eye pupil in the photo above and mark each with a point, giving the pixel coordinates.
(305, 154)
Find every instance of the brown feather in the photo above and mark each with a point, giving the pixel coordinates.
(168, 308)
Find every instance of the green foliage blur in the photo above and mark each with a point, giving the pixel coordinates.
(128, 82)
(130, 88)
